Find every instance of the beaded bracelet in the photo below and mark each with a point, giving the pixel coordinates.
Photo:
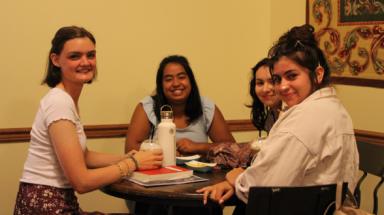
(123, 174)
(129, 173)
(134, 160)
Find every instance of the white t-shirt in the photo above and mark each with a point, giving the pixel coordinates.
(42, 166)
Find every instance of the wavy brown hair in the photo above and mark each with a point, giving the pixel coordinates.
(259, 112)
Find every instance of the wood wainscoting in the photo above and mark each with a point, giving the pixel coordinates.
(10, 135)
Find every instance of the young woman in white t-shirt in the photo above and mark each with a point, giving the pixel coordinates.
(58, 162)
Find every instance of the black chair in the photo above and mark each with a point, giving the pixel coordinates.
(292, 200)
(372, 162)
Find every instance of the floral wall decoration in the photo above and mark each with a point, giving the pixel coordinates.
(351, 35)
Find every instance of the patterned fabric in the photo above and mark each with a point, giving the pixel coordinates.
(230, 155)
(45, 200)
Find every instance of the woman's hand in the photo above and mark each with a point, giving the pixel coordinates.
(179, 154)
(232, 175)
(217, 192)
(149, 160)
(187, 146)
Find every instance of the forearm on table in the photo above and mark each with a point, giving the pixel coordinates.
(98, 160)
(204, 147)
(241, 191)
(232, 175)
(96, 178)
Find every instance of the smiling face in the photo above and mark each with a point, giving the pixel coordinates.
(176, 84)
(292, 81)
(77, 61)
(264, 88)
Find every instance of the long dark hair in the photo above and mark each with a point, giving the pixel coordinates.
(259, 112)
(306, 53)
(53, 73)
(193, 109)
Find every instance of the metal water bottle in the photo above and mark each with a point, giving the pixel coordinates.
(167, 136)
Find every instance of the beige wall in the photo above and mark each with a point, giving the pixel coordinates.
(221, 39)
(218, 38)
(132, 38)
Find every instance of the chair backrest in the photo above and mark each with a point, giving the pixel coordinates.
(292, 200)
(372, 162)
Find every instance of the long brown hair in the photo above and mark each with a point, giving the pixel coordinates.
(259, 112)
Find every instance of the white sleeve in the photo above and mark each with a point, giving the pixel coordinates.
(59, 107)
(282, 161)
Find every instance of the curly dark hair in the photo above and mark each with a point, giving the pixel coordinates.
(259, 112)
(53, 73)
(193, 109)
(300, 45)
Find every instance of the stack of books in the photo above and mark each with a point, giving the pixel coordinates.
(168, 175)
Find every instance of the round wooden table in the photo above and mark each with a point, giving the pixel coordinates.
(176, 195)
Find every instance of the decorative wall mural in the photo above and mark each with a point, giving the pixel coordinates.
(351, 35)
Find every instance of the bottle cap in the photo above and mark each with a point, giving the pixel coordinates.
(166, 114)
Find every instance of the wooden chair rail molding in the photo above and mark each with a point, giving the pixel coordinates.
(10, 135)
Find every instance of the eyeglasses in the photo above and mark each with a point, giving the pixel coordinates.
(285, 47)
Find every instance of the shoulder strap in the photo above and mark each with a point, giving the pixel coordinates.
(339, 192)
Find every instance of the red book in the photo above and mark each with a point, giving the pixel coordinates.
(168, 172)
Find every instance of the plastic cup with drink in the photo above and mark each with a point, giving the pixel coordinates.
(150, 145)
(256, 145)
